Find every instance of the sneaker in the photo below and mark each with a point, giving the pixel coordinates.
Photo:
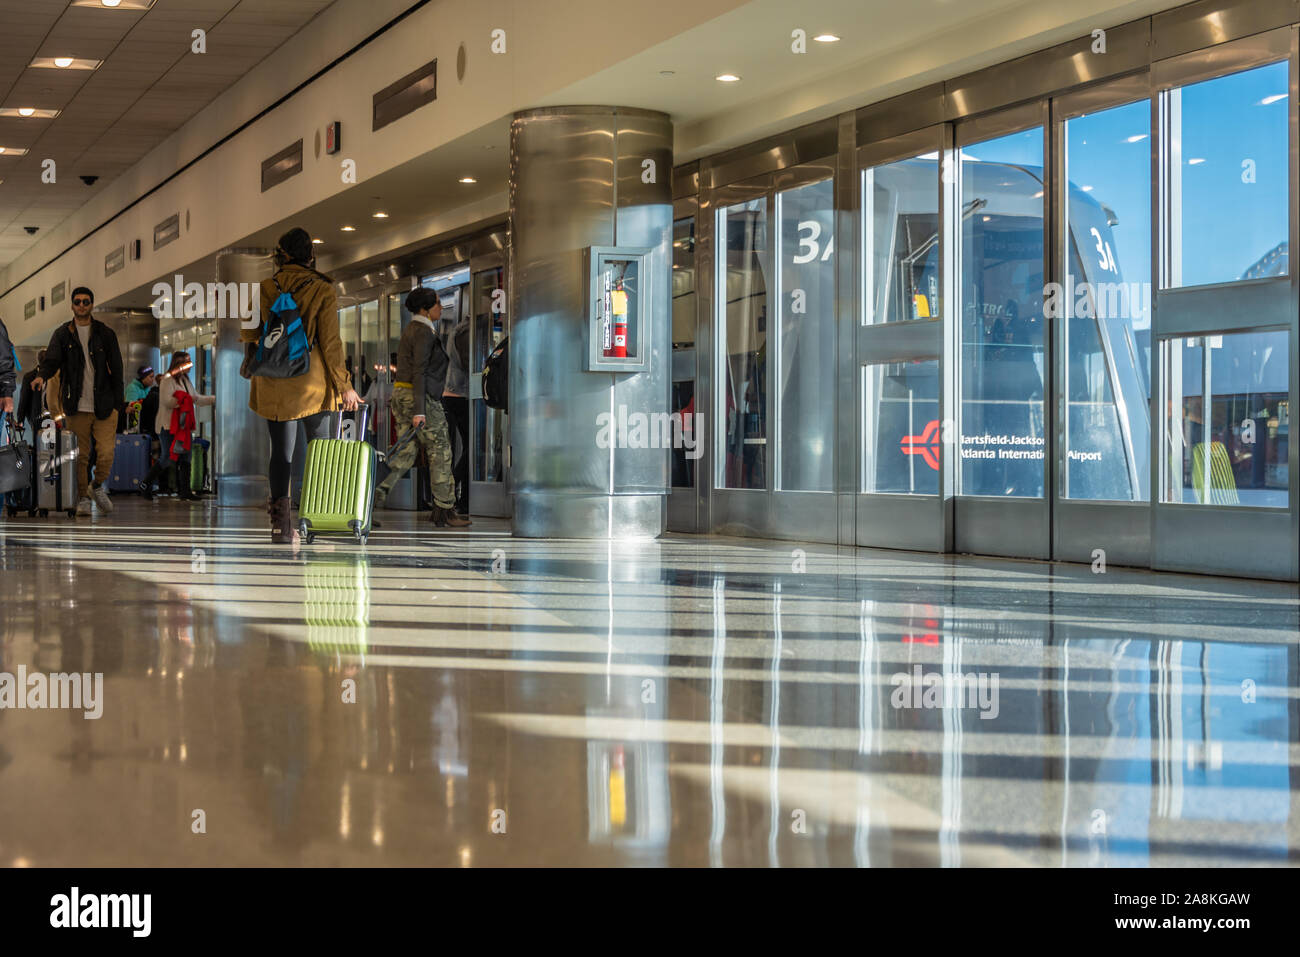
(100, 495)
(83, 506)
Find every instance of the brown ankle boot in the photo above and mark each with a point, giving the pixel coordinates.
(283, 531)
(438, 516)
(453, 519)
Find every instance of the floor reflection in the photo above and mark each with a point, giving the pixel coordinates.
(466, 699)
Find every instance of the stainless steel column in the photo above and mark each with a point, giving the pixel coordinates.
(240, 445)
(577, 179)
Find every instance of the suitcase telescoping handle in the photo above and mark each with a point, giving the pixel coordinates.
(361, 424)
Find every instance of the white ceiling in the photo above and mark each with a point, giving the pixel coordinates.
(149, 84)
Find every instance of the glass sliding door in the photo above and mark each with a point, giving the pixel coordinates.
(1003, 434)
(1100, 299)
(775, 346)
(805, 220)
(743, 284)
(1226, 310)
(487, 426)
(904, 461)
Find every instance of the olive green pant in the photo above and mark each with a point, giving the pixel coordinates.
(437, 447)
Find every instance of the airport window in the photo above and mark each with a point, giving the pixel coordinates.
(684, 323)
(900, 229)
(742, 294)
(806, 220)
(1226, 164)
(1002, 438)
(902, 441)
(1105, 304)
(1227, 419)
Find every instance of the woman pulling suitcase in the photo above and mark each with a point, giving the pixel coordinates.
(174, 424)
(295, 362)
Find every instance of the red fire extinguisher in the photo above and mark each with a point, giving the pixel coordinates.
(620, 322)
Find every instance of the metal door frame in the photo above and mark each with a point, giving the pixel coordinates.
(987, 524)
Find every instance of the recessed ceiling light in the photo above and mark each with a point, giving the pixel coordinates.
(317, 242)
(12, 151)
(1269, 100)
(1196, 161)
(467, 179)
(64, 63)
(667, 72)
(379, 215)
(727, 78)
(25, 111)
(349, 229)
(29, 112)
(115, 4)
(826, 38)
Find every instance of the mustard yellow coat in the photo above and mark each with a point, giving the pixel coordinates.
(281, 400)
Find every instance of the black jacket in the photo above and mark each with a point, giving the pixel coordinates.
(422, 361)
(29, 402)
(7, 374)
(64, 355)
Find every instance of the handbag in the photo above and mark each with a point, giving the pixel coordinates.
(15, 459)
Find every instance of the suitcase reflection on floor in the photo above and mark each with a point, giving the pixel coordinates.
(336, 604)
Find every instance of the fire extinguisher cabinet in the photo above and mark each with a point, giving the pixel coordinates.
(618, 305)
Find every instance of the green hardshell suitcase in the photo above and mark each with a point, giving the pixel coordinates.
(338, 486)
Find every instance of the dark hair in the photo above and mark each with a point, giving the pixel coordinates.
(82, 289)
(295, 247)
(420, 298)
(179, 358)
(143, 372)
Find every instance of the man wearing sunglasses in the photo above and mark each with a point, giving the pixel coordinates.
(85, 351)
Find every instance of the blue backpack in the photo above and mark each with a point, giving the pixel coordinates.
(283, 351)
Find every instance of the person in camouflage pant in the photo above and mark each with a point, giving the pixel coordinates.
(433, 435)
(421, 373)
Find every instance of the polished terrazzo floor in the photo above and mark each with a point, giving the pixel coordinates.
(692, 701)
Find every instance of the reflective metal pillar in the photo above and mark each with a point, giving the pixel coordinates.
(579, 178)
(241, 448)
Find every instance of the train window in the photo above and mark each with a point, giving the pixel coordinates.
(1227, 419)
(900, 229)
(1002, 440)
(742, 294)
(1226, 165)
(903, 435)
(1105, 304)
(806, 221)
